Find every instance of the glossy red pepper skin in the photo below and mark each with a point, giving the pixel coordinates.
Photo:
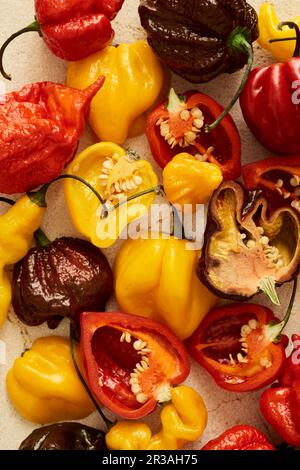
(268, 108)
(219, 335)
(110, 360)
(240, 437)
(291, 371)
(40, 126)
(225, 138)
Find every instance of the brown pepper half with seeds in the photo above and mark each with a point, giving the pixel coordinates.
(246, 250)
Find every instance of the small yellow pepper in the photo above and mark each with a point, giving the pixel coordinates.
(17, 227)
(134, 79)
(43, 384)
(116, 175)
(268, 28)
(182, 421)
(156, 278)
(187, 180)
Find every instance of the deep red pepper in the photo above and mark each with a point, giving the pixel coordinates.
(291, 371)
(40, 126)
(224, 141)
(240, 437)
(72, 29)
(112, 345)
(268, 106)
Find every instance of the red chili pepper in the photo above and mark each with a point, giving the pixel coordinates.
(241, 437)
(291, 371)
(131, 362)
(40, 126)
(178, 125)
(71, 29)
(268, 106)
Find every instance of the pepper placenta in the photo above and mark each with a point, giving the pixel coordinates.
(133, 73)
(71, 29)
(43, 384)
(245, 249)
(39, 131)
(131, 362)
(120, 177)
(182, 421)
(167, 291)
(240, 437)
(179, 124)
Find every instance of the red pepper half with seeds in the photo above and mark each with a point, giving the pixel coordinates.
(240, 437)
(180, 124)
(131, 363)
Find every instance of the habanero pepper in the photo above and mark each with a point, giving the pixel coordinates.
(240, 437)
(178, 124)
(71, 29)
(131, 362)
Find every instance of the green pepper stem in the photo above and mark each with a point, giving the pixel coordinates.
(294, 26)
(41, 239)
(268, 286)
(238, 43)
(156, 189)
(33, 27)
(7, 201)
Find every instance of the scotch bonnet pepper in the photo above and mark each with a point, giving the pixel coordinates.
(134, 79)
(156, 278)
(131, 362)
(43, 384)
(240, 437)
(39, 131)
(71, 29)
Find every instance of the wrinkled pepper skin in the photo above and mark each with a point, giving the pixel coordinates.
(43, 384)
(39, 131)
(240, 437)
(17, 227)
(183, 420)
(194, 37)
(168, 290)
(133, 73)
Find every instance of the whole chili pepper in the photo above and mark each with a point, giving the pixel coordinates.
(270, 103)
(240, 437)
(71, 29)
(291, 371)
(131, 362)
(39, 131)
(179, 124)
(240, 345)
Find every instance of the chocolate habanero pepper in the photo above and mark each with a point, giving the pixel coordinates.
(39, 131)
(240, 437)
(71, 29)
(130, 362)
(178, 124)
(245, 249)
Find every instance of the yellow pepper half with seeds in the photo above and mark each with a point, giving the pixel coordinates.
(156, 278)
(183, 420)
(43, 384)
(268, 28)
(134, 79)
(117, 175)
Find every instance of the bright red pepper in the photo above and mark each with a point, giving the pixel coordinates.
(270, 104)
(40, 126)
(291, 371)
(240, 437)
(72, 29)
(131, 362)
(178, 124)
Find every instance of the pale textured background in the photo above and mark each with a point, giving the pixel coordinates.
(29, 60)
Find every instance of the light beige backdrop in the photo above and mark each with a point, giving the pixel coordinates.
(29, 60)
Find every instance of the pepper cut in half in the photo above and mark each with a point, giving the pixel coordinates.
(131, 362)
(245, 249)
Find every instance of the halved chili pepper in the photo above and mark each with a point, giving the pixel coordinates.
(131, 362)
(279, 177)
(240, 437)
(179, 123)
(240, 345)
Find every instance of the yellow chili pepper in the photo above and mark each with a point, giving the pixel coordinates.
(156, 278)
(182, 421)
(186, 180)
(17, 227)
(116, 175)
(43, 384)
(134, 79)
(268, 28)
